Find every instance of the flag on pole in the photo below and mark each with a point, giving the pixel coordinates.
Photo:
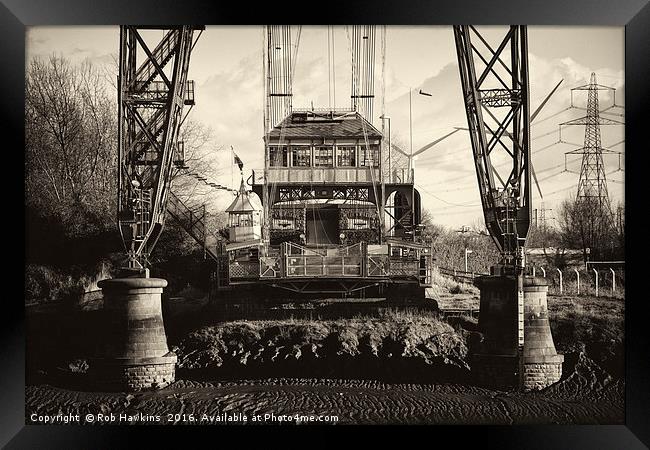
(238, 160)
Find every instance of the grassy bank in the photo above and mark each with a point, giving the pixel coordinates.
(419, 339)
(391, 344)
(591, 325)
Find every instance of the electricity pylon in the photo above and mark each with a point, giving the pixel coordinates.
(592, 185)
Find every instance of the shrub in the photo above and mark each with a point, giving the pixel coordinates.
(396, 334)
(46, 284)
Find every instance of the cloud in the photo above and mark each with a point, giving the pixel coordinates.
(81, 51)
(449, 166)
(231, 102)
(33, 39)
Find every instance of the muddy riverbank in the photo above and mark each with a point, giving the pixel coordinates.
(586, 396)
(406, 368)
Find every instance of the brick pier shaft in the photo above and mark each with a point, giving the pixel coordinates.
(133, 354)
(497, 361)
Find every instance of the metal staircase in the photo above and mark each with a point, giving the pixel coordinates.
(150, 115)
(194, 224)
(160, 56)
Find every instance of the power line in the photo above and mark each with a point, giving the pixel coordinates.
(453, 213)
(533, 152)
(568, 187)
(593, 180)
(445, 201)
(463, 149)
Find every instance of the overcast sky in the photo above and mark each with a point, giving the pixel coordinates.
(226, 65)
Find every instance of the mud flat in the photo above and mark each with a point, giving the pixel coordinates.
(404, 368)
(587, 396)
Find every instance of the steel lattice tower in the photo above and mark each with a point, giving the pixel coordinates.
(593, 182)
(592, 185)
(152, 92)
(496, 95)
(595, 211)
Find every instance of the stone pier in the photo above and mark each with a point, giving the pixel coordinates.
(542, 366)
(497, 360)
(133, 354)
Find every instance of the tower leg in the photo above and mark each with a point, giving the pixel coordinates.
(496, 360)
(542, 366)
(134, 353)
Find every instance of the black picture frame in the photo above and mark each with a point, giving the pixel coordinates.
(15, 15)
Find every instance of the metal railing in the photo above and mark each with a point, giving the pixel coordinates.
(310, 174)
(378, 266)
(295, 261)
(606, 281)
(399, 176)
(244, 269)
(460, 274)
(340, 262)
(158, 91)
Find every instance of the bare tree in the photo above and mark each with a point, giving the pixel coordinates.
(582, 226)
(478, 226)
(200, 151)
(70, 138)
(432, 231)
(71, 170)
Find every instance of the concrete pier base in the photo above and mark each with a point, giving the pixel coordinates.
(542, 366)
(134, 353)
(497, 360)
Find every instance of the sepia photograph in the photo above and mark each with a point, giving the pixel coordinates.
(325, 224)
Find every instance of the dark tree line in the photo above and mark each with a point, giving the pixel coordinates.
(70, 159)
(581, 226)
(70, 139)
(71, 176)
(586, 225)
(449, 245)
